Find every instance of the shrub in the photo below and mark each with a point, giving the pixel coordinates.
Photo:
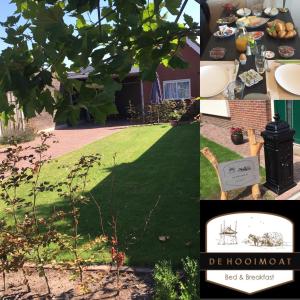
(30, 234)
(165, 281)
(169, 286)
(191, 285)
(183, 110)
(17, 136)
(134, 115)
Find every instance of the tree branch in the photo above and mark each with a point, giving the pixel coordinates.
(181, 10)
(99, 17)
(104, 17)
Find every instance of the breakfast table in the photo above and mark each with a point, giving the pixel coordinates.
(268, 84)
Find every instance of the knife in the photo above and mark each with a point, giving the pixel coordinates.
(236, 69)
(283, 61)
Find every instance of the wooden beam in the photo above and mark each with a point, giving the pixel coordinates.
(142, 99)
(255, 148)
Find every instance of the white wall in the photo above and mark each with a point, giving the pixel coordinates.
(294, 6)
(215, 107)
(216, 8)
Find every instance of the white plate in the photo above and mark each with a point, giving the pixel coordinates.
(226, 35)
(213, 80)
(272, 12)
(244, 12)
(287, 76)
(253, 21)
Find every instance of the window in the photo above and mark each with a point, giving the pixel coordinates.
(177, 89)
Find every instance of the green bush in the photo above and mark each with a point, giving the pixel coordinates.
(165, 281)
(17, 136)
(190, 287)
(169, 286)
(180, 110)
(134, 115)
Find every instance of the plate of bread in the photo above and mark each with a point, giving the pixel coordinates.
(281, 30)
(252, 21)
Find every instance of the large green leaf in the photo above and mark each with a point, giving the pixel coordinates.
(188, 19)
(172, 6)
(133, 32)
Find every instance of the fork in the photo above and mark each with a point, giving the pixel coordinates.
(267, 66)
(236, 69)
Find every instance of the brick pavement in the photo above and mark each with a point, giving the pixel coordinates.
(70, 139)
(221, 136)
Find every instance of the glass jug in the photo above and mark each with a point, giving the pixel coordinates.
(241, 38)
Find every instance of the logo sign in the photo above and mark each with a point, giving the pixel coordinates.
(249, 233)
(239, 173)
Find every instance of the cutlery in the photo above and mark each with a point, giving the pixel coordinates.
(236, 69)
(282, 61)
(267, 66)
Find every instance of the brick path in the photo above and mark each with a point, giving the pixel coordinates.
(221, 136)
(71, 139)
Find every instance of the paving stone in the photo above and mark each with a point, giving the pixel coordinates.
(71, 139)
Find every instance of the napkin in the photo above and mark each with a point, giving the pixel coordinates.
(229, 66)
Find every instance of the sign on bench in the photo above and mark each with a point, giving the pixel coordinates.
(239, 173)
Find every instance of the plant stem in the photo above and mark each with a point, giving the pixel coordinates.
(40, 164)
(75, 225)
(99, 212)
(26, 281)
(16, 230)
(4, 281)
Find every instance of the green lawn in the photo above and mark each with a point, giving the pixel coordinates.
(209, 184)
(152, 162)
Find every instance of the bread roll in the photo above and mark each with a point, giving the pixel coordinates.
(280, 27)
(289, 26)
(281, 34)
(289, 35)
(274, 34)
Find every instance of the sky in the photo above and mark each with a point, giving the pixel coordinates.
(7, 9)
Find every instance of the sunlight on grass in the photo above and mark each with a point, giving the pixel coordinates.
(152, 162)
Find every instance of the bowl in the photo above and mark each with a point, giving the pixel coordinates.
(286, 51)
(217, 53)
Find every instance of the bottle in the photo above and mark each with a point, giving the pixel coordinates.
(241, 38)
(248, 51)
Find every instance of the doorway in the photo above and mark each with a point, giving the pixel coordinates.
(289, 111)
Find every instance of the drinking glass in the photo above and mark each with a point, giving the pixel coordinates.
(261, 49)
(257, 9)
(235, 89)
(260, 63)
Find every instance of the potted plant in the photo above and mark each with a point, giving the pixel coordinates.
(174, 117)
(237, 135)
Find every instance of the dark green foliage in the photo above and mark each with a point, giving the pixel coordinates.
(180, 110)
(165, 281)
(169, 285)
(190, 285)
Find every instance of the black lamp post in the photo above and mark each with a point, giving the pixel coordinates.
(278, 147)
